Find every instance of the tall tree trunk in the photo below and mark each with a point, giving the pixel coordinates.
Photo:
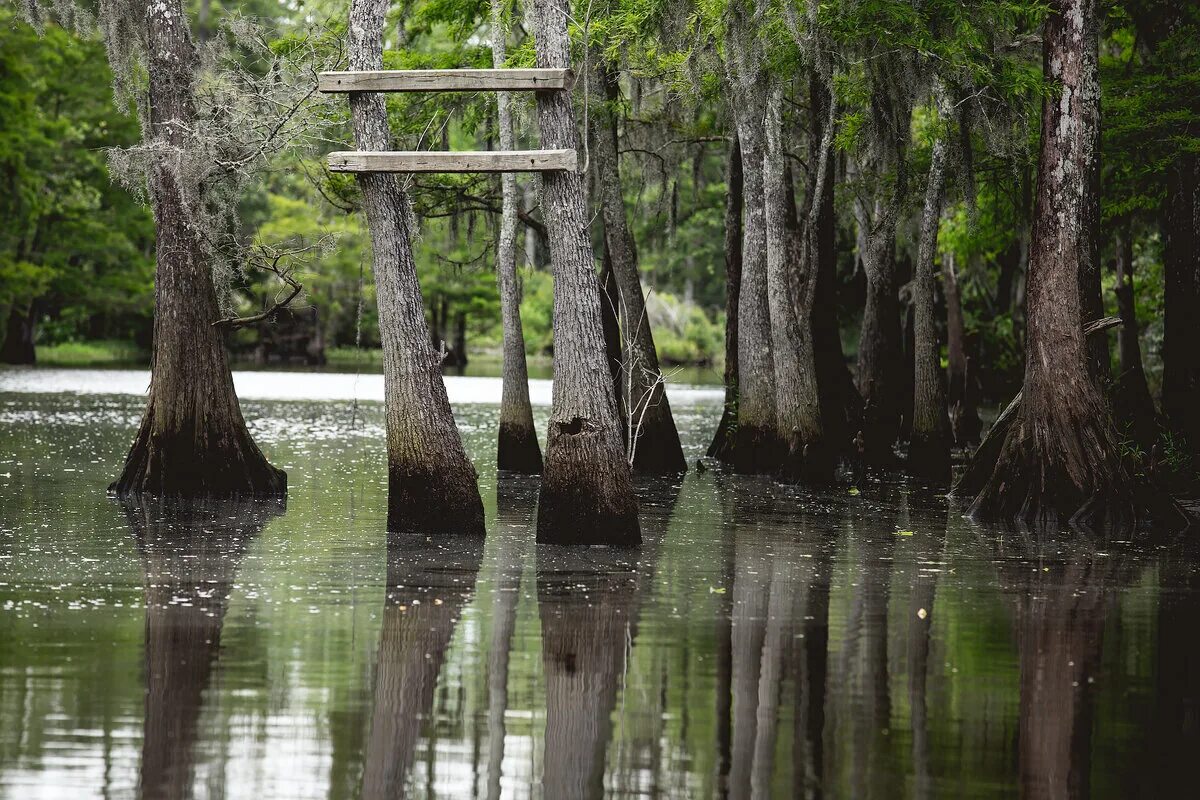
(880, 360)
(930, 438)
(1181, 263)
(1133, 406)
(431, 484)
(961, 397)
(722, 442)
(649, 426)
(1060, 459)
(517, 449)
(808, 454)
(18, 347)
(587, 493)
(192, 440)
(756, 448)
(610, 301)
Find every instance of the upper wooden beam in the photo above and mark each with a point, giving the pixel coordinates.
(458, 161)
(447, 80)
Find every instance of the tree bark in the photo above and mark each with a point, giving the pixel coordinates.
(21, 327)
(192, 440)
(649, 426)
(722, 442)
(1132, 404)
(808, 454)
(756, 448)
(431, 484)
(930, 437)
(961, 389)
(1060, 460)
(587, 494)
(517, 449)
(1181, 263)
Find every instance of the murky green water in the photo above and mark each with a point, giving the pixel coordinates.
(763, 642)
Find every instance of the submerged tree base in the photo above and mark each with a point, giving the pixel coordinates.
(586, 495)
(754, 450)
(518, 450)
(221, 461)
(658, 450)
(443, 499)
(929, 458)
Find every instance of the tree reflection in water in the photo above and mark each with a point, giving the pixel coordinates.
(190, 553)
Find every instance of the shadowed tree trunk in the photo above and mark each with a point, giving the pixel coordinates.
(517, 449)
(587, 494)
(1181, 296)
(1133, 406)
(649, 426)
(429, 583)
(722, 442)
(610, 301)
(19, 335)
(961, 395)
(190, 554)
(807, 452)
(755, 445)
(1060, 460)
(192, 440)
(930, 437)
(431, 484)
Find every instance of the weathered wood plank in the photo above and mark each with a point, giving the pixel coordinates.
(460, 161)
(447, 80)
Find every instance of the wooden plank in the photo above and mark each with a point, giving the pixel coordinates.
(447, 80)
(460, 161)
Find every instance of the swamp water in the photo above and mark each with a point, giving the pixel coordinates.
(764, 641)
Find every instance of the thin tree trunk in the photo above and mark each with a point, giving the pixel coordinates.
(610, 301)
(755, 448)
(1060, 458)
(1133, 406)
(517, 449)
(930, 438)
(431, 484)
(722, 442)
(192, 440)
(19, 345)
(800, 424)
(1181, 263)
(961, 395)
(650, 427)
(587, 494)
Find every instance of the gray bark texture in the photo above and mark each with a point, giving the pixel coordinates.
(650, 427)
(722, 442)
(807, 453)
(431, 484)
(517, 449)
(756, 447)
(961, 396)
(930, 438)
(587, 492)
(1060, 461)
(192, 440)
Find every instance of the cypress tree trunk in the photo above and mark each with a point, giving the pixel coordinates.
(587, 495)
(800, 427)
(649, 426)
(517, 449)
(192, 440)
(431, 484)
(1060, 460)
(1181, 263)
(1132, 404)
(756, 448)
(930, 438)
(610, 301)
(961, 395)
(722, 442)
(20, 328)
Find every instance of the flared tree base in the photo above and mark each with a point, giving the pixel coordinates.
(657, 450)
(218, 462)
(517, 450)
(586, 495)
(721, 447)
(756, 450)
(434, 499)
(813, 463)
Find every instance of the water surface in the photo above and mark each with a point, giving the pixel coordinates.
(765, 641)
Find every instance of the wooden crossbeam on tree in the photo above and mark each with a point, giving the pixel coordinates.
(460, 161)
(447, 80)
